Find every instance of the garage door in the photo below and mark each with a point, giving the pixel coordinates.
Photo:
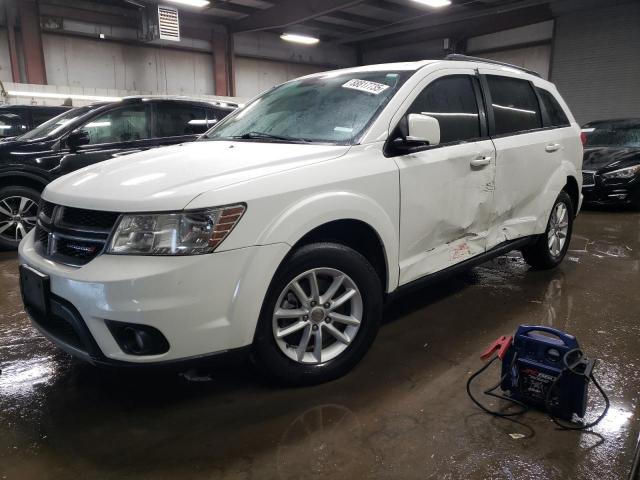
(595, 62)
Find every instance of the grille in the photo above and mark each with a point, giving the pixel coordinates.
(588, 178)
(77, 217)
(73, 236)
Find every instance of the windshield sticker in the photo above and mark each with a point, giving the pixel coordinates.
(366, 86)
(343, 129)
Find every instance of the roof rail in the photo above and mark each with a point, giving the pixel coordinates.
(465, 58)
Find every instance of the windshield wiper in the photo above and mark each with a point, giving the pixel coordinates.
(267, 136)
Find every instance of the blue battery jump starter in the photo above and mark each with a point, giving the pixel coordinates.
(542, 368)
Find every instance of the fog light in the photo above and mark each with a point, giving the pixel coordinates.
(136, 339)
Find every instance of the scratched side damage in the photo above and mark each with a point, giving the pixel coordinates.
(452, 202)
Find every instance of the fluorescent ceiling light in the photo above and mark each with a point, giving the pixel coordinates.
(63, 96)
(292, 37)
(435, 3)
(191, 3)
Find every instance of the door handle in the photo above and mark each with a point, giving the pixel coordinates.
(481, 161)
(552, 147)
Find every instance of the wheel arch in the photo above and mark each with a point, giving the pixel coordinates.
(573, 190)
(564, 178)
(346, 217)
(22, 179)
(354, 234)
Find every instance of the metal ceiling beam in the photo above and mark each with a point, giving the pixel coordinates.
(359, 19)
(232, 7)
(404, 9)
(332, 28)
(435, 19)
(290, 12)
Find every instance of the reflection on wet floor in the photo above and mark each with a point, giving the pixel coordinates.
(402, 413)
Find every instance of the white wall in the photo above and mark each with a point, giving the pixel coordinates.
(537, 58)
(26, 94)
(5, 60)
(406, 53)
(263, 60)
(81, 62)
(271, 46)
(255, 76)
(534, 33)
(508, 46)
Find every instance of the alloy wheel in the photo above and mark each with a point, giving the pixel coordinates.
(558, 229)
(18, 215)
(317, 316)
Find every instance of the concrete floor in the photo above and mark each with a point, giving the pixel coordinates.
(403, 412)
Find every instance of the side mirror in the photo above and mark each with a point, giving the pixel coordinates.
(423, 129)
(78, 138)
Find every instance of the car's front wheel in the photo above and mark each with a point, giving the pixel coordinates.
(320, 315)
(18, 214)
(551, 247)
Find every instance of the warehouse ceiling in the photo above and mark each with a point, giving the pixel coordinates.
(352, 21)
(368, 23)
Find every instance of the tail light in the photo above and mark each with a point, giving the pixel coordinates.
(583, 138)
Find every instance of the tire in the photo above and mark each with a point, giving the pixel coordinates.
(283, 358)
(543, 254)
(15, 222)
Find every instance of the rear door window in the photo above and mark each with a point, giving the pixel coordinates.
(13, 122)
(452, 100)
(514, 104)
(556, 115)
(124, 124)
(177, 120)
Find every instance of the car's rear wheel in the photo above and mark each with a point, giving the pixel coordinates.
(18, 214)
(320, 316)
(550, 248)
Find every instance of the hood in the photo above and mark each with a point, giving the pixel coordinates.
(169, 178)
(610, 158)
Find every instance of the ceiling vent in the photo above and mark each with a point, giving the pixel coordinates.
(168, 23)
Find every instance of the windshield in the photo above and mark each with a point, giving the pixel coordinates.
(332, 108)
(53, 126)
(611, 135)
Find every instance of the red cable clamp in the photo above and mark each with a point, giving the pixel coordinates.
(502, 344)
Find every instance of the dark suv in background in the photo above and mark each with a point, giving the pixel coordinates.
(86, 135)
(611, 166)
(18, 119)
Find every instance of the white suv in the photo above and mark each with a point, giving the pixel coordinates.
(282, 230)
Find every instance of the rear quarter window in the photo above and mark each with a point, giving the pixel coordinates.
(555, 113)
(514, 104)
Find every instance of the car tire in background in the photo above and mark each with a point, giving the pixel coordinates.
(18, 214)
(549, 249)
(328, 297)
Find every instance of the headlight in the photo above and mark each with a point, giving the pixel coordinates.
(623, 172)
(181, 233)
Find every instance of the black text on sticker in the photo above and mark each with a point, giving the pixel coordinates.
(366, 86)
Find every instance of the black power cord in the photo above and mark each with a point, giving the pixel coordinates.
(490, 391)
(524, 408)
(572, 368)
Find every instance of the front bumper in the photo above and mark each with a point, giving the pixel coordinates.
(612, 192)
(201, 304)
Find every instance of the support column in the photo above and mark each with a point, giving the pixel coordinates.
(10, 13)
(32, 42)
(223, 68)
